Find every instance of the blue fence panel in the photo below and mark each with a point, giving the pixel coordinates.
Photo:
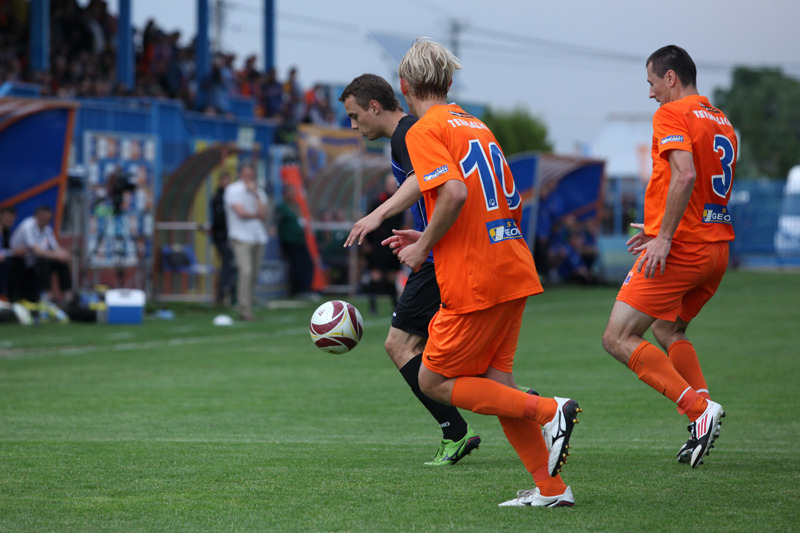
(125, 116)
(175, 127)
(755, 206)
(222, 129)
(169, 122)
(243, 106)
(766, 222)
(211, 127)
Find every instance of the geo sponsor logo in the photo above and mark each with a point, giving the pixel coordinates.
(717, 214)
(503, 230)
(438, 172)
(672, 139)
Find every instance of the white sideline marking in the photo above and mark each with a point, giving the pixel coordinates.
(31, 353)
(11, 354)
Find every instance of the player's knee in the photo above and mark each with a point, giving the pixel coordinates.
(610, 341)
(427, 385)
(390, 346)
(397, 351)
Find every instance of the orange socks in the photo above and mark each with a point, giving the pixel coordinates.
(684, 359)
(487, 397)
(654, 368)
(521, 416)
(526, 438)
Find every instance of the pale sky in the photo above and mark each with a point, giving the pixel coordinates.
(572, 63)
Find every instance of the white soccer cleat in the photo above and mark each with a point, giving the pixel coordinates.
(705, 431)
(558, 431)
(534, 498)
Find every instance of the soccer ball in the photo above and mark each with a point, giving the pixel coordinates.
(336, 327)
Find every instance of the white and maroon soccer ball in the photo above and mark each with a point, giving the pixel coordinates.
(336, 327)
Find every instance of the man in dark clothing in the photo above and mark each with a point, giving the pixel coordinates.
(292, 235)
(383, 265)
(7, 217)
(226, 281)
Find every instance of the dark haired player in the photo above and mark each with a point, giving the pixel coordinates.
(682, 246)
(375, 112)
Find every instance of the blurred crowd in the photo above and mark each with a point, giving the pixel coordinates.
(83, 51)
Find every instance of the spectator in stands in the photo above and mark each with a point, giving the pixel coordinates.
(271, 95)
(318, 107)
(219, 86)
(246, 212)
(166, 67)
(36, 256)
(226, 280)
(148, 50)
(249, 78)
(7, 217)
(292, 106)
(292, 234)
(187, 67)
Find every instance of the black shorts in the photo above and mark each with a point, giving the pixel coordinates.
(418, 303)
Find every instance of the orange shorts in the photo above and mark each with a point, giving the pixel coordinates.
(468, 344)
(691, 277)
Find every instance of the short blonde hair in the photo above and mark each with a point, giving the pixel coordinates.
(428, 68)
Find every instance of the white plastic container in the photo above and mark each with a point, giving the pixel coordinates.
(125, 306)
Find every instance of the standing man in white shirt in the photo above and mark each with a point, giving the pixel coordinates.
(246, 212)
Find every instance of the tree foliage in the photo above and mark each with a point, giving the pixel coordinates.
(517, 131)
(764, 107)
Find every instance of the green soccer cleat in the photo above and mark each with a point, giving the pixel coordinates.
(451, 452)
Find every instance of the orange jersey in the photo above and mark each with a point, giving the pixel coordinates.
(692, 124)
(483, 259)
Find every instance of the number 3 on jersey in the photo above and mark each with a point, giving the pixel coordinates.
(490, 177)
(721, 183)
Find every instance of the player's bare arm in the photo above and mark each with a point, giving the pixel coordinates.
(681, 184)
(451, 196)
(406, 196)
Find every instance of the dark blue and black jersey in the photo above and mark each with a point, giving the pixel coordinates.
(402, 168)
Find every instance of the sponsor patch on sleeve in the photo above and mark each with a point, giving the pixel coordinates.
(438, 172)
(504, 229)
(717, 214)
(672, 139)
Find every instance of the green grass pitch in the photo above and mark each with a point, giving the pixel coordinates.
(182, 426)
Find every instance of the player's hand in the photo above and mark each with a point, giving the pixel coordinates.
(401, 239)
(413, 256)
(361, 228)
(404, 245)
(635, 243)
(654, 257)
